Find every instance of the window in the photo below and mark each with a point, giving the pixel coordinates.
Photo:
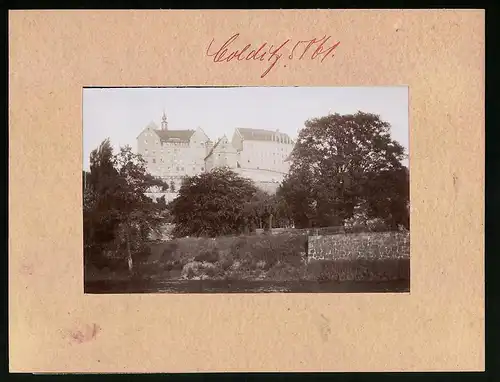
(146, 151)
(154, 160)
(177, 168)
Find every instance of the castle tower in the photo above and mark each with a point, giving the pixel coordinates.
(164, 123)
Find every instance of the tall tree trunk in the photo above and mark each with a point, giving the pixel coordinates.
(129, 252)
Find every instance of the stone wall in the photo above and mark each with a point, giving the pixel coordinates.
(373, 245)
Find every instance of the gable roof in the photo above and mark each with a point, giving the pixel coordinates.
(217, 144)
(152, 126)
(260, 134)
(174, 135)
(203, 131)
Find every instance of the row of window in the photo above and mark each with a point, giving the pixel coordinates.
(264, 154)
(178, 168)
(153, 160)
(183, 144)
(175, 161)
(173, 151)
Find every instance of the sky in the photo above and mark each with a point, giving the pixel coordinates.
(120, 114)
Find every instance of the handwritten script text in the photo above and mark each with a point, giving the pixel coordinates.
(312, 49)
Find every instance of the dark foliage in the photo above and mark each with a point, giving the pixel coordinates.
(342, 163)
(117, 214)
(212, 204)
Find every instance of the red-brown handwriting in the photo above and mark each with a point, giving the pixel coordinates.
(315, 48)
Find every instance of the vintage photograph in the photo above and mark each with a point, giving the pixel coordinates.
(246, 190)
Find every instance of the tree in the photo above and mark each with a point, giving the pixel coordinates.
(212, 204)
(336, 163)
(98, 198)
(137, 213)
(259, 211)
(297, 195)
(267, 211)
(387, 197)
(117, 213)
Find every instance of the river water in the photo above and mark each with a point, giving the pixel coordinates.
(241, 286)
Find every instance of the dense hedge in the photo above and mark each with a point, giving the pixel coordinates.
(281, 257)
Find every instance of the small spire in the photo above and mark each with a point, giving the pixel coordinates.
(164, 123)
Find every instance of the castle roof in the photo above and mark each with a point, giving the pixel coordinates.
(261, 135)
(175, 135)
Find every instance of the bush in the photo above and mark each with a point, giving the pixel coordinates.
(209, 256)
(199, 270)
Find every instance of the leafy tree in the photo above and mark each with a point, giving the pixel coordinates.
(259, 211)
(267, 211)
(337, 164)
(137, 213)
(212, 204)
(387, 197)
(297, 194)
(98, 199)
(117, 213)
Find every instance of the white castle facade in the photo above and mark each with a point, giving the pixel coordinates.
(260, 155)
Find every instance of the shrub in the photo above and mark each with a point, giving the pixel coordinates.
(196, 269)
(209, 256)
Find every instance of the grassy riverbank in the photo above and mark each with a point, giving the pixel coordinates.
(279, 258)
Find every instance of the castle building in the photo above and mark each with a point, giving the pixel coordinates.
(173, 154)
(260, 155)
(222, 154)
(263, 149)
